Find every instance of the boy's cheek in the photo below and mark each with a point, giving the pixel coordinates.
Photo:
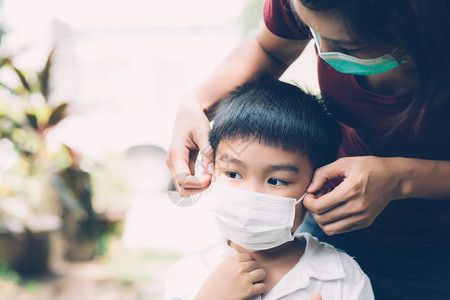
(218, 176)
(300, 215)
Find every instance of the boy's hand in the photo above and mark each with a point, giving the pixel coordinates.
(236, 278)
(316, 296)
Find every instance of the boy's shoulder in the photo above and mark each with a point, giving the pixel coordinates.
(325, 261)
(187, 275)
(203, 261)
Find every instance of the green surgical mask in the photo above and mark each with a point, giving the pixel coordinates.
(345, 63)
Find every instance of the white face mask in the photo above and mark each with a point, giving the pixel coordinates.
(254, 221)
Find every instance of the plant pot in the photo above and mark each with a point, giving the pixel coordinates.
(28, 251)
(83, 238)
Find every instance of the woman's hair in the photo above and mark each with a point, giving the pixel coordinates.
(277, 114)
(421, 27)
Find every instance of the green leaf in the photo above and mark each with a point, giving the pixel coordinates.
(44, 76)
(22, 78)
(4, 61)
(58, 114)
(33, 121)
(7, 87)
(10, 120)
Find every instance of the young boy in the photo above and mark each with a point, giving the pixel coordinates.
(268, 138)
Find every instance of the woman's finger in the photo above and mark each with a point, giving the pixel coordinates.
(325, 173)
(206, 151)
(335, 214)
(185, 181)
(345, 225)
(323, 204)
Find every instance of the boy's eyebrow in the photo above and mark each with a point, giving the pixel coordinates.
(225, 158)
(285, 167)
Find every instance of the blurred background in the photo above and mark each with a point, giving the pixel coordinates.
(88, 96)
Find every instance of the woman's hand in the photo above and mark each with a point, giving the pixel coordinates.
(369, 184)
(189, 138)
(236, 278)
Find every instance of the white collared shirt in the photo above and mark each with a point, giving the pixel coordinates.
(322, 268)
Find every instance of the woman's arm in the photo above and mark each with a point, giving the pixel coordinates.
(423, 178)
(369, 184)
(264, 53)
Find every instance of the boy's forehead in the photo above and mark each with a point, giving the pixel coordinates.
(238, 146)
(254, 153)
(232, 147)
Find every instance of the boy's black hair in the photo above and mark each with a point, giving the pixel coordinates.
(278, 114)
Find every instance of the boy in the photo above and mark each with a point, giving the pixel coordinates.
(268, 137)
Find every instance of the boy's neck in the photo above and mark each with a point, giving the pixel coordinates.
(288, 252)
(276, 262)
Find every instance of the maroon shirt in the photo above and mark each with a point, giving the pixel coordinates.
(363, 115)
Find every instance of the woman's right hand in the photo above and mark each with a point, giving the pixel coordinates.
(189, 138)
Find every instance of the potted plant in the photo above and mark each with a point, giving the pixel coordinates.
(42, 186)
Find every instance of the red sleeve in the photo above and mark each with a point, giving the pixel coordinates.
(281, 19)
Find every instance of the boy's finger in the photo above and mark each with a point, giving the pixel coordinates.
(250, 266)
(243, 257)
(258, 289)
(256, 275)
(316, 296)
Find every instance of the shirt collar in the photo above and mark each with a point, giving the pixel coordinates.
(320, 261)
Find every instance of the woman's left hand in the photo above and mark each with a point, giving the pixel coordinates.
(369, 184)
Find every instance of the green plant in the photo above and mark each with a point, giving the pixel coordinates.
(6, 274)
(28, 166)
(39, 182)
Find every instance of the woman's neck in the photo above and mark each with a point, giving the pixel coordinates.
(397, 81)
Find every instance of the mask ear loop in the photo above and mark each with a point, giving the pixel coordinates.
(403, 58)
(316, 40)
(301, 198)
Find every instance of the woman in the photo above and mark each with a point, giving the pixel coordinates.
(384, 74)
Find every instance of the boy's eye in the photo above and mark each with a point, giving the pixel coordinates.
(275, 181)
(233, 175)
